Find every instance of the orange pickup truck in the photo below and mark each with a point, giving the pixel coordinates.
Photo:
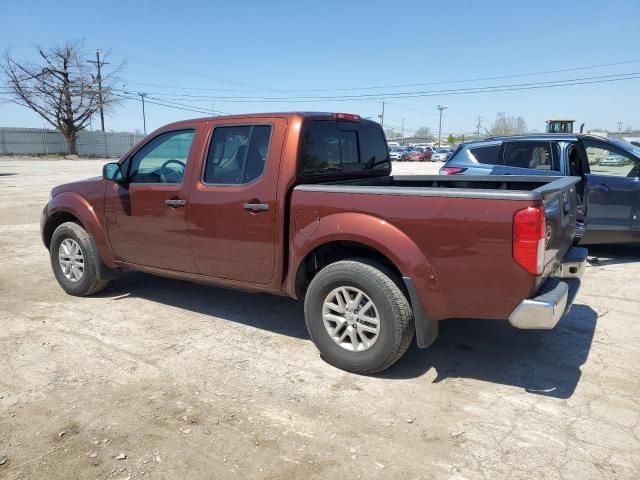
(304, 204)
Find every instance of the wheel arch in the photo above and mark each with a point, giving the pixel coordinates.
(54, 221)
(352, 234)
(333, 251)
(71, 207)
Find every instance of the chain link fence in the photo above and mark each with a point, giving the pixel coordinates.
(39, 141)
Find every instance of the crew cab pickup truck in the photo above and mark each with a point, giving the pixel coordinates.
(608, 195)
(304, 205)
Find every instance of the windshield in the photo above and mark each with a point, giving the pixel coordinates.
(626, 146)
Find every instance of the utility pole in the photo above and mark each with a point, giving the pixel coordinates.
(99, 65)
(478, 125)
(441, 108)
(381, 116)
(144, 117)
(619, 127)
(402, 131)
(142, 96)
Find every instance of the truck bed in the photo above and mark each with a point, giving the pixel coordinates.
(462, 226)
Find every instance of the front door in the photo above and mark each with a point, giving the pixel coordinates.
(613, 189)
(146, 215)
(233, 207)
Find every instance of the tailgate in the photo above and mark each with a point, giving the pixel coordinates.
(559, 199)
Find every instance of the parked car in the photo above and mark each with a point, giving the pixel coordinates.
(304, 204)
(397, 153)
(441, 155)
(609, 191)
(613, 160)
(417, 155)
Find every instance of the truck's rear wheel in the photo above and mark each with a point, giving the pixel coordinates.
(358, 316)
(74, 259)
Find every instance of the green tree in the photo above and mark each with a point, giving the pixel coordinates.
(451, 139)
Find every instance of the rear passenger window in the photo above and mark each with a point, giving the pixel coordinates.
(488, 155)
(536, 155)
(237, 154)
(343, 147)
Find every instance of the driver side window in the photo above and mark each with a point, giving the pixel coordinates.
(163, 159)
(605, 159)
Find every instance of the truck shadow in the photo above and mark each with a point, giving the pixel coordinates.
(541, 362)
(281, 315)
(613, 254)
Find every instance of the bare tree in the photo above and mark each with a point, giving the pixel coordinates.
(390, 133)
(505, 125)
(423, 132)
(61, 87)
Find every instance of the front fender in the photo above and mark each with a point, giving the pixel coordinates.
(79, 207)
(379, 235)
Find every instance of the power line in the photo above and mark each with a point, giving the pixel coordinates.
(416, 94)
(377, 87)
(154, 101)
(173, 105)
(189, 72)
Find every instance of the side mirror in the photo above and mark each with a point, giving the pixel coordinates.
(113, 172)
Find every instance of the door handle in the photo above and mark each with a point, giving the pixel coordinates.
(256, 207)
(175, 202)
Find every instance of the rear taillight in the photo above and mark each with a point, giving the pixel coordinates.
(351, 117)
(529, 241)
(451, 170)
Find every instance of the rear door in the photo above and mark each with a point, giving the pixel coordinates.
(613, 189)
(233, 206)
(528, 158)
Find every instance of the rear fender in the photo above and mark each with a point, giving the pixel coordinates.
(387, 239)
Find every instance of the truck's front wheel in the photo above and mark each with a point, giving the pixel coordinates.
(358, 316)
(74, 259)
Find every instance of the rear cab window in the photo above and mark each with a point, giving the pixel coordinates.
(343, 147)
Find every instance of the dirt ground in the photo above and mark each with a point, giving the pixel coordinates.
(188, 381)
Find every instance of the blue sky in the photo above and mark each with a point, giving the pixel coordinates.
(287, 49)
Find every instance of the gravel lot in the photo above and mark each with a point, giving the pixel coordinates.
(190, 381)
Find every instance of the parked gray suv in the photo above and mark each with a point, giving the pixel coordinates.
(609, 193)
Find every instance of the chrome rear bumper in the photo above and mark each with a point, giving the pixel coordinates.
(555, 297)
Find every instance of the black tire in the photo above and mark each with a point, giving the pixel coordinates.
(89, 283)
(395, 315)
